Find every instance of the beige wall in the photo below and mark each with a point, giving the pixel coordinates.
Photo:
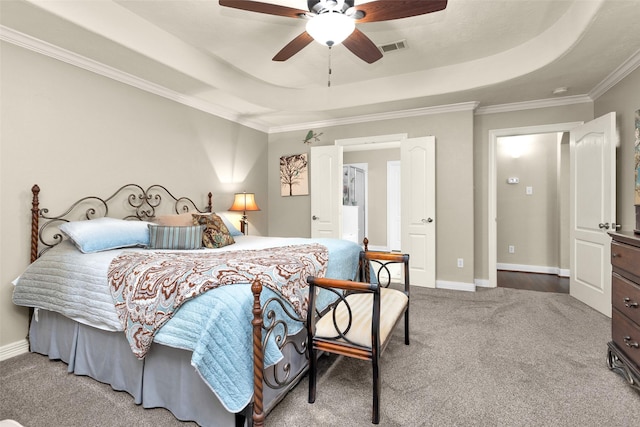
(76, 133)
(377, 189)
(530, 223)
(624, 99)
(290, 216)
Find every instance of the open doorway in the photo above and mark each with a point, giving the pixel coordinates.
(355, 210)
(494, 136)
(374, 162)
(372, 154)
(532, 190)
(418, 197)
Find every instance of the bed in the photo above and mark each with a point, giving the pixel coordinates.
(226, 356)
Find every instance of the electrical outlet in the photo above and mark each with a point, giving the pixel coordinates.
(512, 249)
(529, 191)
(460, 263)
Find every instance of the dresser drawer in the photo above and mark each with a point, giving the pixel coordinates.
(625, 257)
(626, 335)
(625, 296)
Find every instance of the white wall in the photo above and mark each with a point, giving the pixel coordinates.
(75, 133)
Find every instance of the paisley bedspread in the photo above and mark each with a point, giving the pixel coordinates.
(148, 287)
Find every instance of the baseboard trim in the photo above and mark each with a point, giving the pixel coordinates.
(482, 283)
(533, 269)
(456, 286)
(14, 349)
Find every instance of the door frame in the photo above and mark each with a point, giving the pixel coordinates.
(393, 182)
(492, 202)
(365, 168)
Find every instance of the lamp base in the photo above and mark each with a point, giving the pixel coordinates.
(244, 225)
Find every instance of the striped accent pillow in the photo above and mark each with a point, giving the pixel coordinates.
(175, 237)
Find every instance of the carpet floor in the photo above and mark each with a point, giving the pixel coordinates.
(495, 357)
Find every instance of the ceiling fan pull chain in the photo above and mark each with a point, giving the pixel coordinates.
(329, 75)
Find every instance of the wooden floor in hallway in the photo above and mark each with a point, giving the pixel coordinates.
(533, 281)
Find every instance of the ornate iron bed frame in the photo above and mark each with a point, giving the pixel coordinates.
(143, 204)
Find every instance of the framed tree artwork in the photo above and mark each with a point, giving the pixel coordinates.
(294, 175)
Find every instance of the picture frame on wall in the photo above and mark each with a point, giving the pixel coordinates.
(294, 175)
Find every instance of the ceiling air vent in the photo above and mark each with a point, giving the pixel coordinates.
(391, 47)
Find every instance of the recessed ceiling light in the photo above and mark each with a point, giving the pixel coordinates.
(560, 90)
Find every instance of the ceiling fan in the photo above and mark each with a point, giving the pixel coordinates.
(331, 22)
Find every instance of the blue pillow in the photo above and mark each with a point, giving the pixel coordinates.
(102, 234)
(232, 229)
(175, 237)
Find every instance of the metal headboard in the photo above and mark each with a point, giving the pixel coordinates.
(136, 202)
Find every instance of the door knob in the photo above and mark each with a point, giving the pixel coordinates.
(428, 220)
(605, 225)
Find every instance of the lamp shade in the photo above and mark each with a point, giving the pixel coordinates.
(244, 202)
(330, 28)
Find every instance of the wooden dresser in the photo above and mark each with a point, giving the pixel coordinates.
(624, 349)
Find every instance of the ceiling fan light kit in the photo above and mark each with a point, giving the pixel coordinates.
(331, 22)
(330, 28)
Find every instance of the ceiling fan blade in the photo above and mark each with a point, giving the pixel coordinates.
(260, 7)
(294, 46)
(362, 47)
(386, 10)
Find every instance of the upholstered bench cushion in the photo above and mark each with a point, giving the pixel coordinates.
(392, 304)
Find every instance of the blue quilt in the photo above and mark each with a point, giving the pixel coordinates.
(223, 348)
(215, 326)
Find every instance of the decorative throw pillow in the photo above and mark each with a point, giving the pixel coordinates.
(175, 237)
(182, 220)
(216, 234)
(102, 234)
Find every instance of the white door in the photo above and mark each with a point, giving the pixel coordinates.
(418, 177)
(592, 211)
(326, 191)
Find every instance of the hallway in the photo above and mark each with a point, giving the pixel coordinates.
(533, 281)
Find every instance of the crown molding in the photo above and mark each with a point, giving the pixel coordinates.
(20, 39)
(39, 46)
(531, 105)
(626, 68)
(400, 114)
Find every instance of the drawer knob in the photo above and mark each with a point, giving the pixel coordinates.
(628, 343)
(629, 304)
(614, 255)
